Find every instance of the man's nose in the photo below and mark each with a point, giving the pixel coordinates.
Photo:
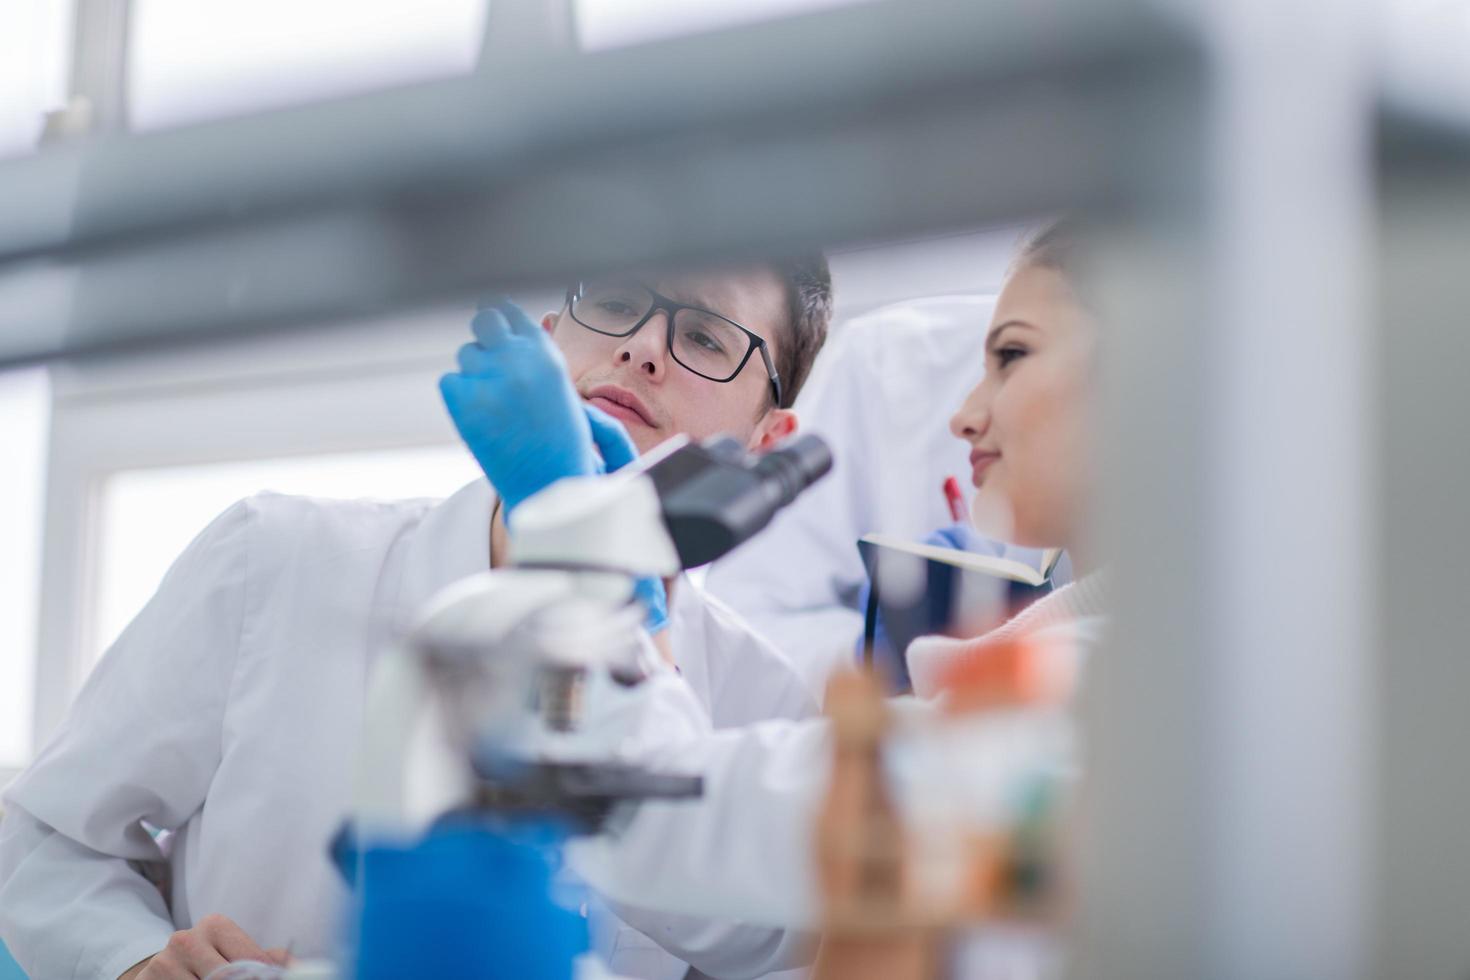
(648, 348)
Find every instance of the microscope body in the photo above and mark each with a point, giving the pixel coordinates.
(510, 662)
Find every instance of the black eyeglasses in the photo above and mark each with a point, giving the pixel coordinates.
(701, 341)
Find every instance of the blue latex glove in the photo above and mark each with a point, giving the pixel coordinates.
(650, 592)
(517, 412)
(964, 537)
(516, 409)
(617, 450)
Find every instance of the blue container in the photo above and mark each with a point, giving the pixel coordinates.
(467, 903)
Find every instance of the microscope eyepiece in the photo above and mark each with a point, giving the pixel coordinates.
(715, 496)
(792, 468)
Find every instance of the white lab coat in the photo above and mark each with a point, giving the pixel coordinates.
(745, 849)
(229, 712)
(881, 394)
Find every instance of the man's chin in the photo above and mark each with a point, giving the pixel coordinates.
(645, 437)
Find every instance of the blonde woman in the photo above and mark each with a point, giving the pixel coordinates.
(745, 851)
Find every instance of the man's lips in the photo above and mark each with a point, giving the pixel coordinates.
(980, 461)
(621, 404)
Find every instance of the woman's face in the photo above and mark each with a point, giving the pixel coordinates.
(1027, 421)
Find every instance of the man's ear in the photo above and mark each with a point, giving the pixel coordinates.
(548, 321)
(775, 427)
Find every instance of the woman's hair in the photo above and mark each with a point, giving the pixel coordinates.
(1053, 246)
(1059, 245)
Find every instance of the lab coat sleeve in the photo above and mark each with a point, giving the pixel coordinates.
(740, 854)
(742, 680)
(141, 744)
(749, 680)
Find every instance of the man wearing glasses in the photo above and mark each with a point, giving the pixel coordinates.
(179, 819)
(700, 354)
(707, 344)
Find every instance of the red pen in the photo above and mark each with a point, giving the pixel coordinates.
(955, 499)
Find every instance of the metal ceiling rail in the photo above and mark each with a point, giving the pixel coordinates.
(859, 123)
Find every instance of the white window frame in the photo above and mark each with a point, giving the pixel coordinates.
(353, 388)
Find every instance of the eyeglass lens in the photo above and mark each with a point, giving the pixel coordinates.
(704, 343)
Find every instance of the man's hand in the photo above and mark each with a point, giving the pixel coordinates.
(192, 954)
(515, 407)
(518, 413)
(616, 448)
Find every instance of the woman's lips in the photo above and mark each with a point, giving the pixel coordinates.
(979, 463)
(617, 410)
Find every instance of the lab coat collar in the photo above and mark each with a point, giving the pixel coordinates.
(452, 541)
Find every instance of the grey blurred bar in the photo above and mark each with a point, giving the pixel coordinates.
(1424, 674)
(854, 124)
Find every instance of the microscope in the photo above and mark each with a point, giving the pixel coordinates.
(503, 669)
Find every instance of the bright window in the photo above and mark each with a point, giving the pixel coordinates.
(24, 413)
(35, 58)
(149, 516)
(192, 60)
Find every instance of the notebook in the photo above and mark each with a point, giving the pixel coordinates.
(919, 589)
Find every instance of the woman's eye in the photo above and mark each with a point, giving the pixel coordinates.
(615, 307)
(1006, 355)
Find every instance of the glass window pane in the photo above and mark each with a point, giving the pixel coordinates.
(190, 60)
(24, 417)
(618, 23)
(35, 58)
(149, 516)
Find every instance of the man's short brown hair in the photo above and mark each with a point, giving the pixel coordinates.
(808, 284)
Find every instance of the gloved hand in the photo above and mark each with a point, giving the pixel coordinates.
(617, 450)
(964, 537)
(522, 420)
(650, 592)
(615, 447)
(515, 408)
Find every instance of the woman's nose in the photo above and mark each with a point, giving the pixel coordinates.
(969, 422)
